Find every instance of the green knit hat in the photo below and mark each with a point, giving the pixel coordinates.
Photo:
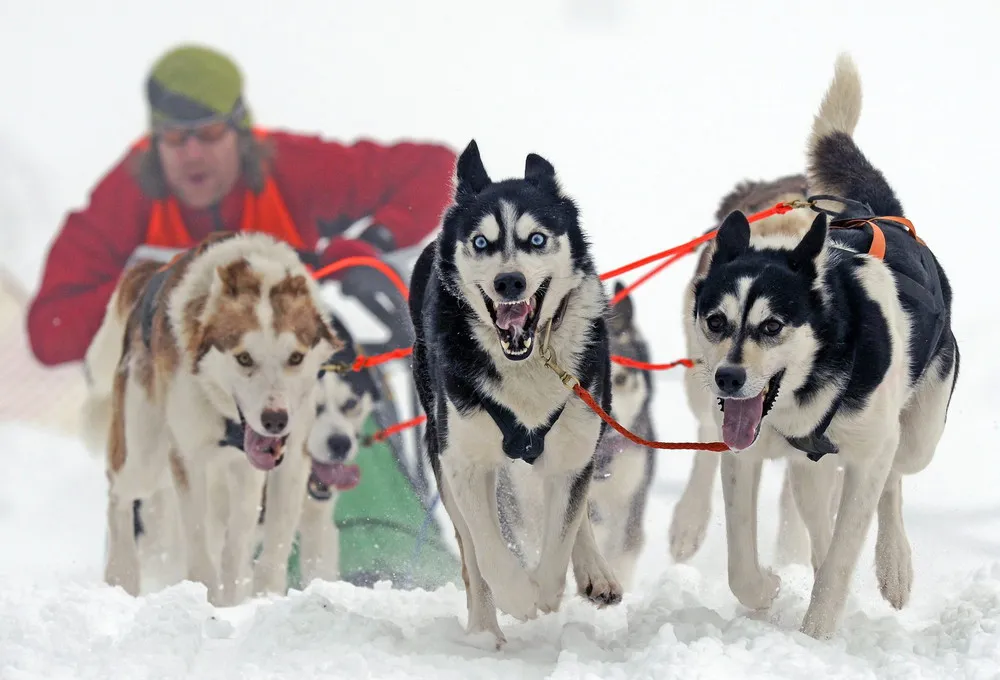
(191, 84)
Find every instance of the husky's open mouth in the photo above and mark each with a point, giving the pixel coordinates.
(341, 476)
(741, 418)
(264, 452)
(516, 322)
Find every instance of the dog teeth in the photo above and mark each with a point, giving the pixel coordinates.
(508, 350)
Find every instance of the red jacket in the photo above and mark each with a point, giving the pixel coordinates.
(404, 187)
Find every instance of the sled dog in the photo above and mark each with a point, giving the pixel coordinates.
(623, 471)
(831, 348)
(693, 511)
(510, 278)
(214, 380)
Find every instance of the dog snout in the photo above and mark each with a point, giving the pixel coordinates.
(274, 420)
(730, 379)
(510, 285)
(339, 446)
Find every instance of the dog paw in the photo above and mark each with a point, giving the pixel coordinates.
(818, 624)
(599, 585)
(516, 595)
(688, 528)
(894, 568)
(487, 627)
(757, 591)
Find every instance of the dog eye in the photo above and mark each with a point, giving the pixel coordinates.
(620, 379)
(716, 322)
(295, 358)
(771, 327)
(244, 359)
(480, 242)
(349, 405)
(537, 239)
(320, 409)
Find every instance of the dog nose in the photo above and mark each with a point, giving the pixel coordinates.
(339, 445)
(510, 285)
(730, 379)
(274, 421)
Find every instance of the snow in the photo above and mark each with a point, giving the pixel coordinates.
(650, 111)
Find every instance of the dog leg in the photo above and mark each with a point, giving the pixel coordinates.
(286, 485)
(793, 546)
(319, 541)
(863, 485)
(122, 566)
(474, 492)
(893, 560)
(754, 587)
(694, 509)
(245, 486)
(482, 611)
(192, 483)
(813, 484)
(595, 579)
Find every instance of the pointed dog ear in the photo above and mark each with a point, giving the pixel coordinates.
(540, 173)
(811, 244)
(733, 238)
(470, 172)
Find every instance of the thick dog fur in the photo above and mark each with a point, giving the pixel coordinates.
(815, 326)
(231, 331)
(693, 511)
(514, 241)
(624, 471)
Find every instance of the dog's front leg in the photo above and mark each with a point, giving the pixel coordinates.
(595, 579)
(286, 490)
(813, 484)
(474, 491)
(753, 587)
(693, 511)
(863, 486)
(319, 541)
(191, 482)
(245, 485)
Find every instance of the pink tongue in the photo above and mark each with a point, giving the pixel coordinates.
(264, 452)
(740, 418)
(338, 475)
(513, 315)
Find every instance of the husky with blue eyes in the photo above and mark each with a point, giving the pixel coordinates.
(509, 281)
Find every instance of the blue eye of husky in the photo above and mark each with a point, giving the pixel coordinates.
(480, 242)
(537, 239)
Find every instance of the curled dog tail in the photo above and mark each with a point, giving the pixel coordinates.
(835, 163)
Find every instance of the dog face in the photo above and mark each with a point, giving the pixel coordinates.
(343, 404)
(512, 249)
(753, 314)
(262, 343)
(631, 387)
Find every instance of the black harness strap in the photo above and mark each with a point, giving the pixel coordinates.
(148, 305)
(520, 443)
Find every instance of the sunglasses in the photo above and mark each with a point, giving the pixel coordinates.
(207, 133)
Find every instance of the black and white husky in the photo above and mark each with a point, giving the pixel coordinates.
(815, 347)
(624, 470)
(510, 268)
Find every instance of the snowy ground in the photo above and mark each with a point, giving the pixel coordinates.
(650, 111)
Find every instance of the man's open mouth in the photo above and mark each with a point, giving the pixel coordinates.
(741, 418)
(516, 322)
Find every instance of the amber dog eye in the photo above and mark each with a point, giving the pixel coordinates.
(244, 359)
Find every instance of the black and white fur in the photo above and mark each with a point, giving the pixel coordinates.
(624, 471)
(516, 240)
(343, 405)
(818, 326)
